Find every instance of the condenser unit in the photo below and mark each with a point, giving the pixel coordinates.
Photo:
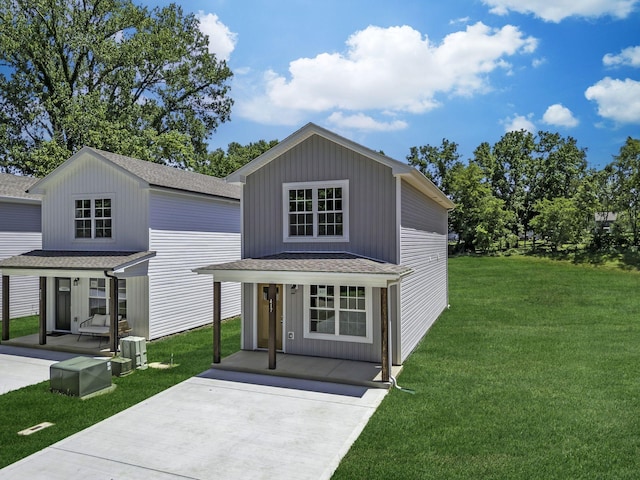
(80, 376)
(134, 348)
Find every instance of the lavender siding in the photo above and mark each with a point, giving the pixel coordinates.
(423, 247)
(371, 200)
(19, 233)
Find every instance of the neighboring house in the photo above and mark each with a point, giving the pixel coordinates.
(118, 229)
(336, 239)
(19, 233)
(604, 220)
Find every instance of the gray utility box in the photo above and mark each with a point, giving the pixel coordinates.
(80, 376)
(120, 366)
(134, 348)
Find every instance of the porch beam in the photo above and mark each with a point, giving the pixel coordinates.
(272, 297)
(113, 311)
(217, 341)
(5, 307)
(42, 330)
(384, 333)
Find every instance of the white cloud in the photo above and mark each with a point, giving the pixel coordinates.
(464, 20)
(538, 62)
(629, 56)
(560, 116)
(618, 100)
(558, 10)
(222, 41)
(360, 121)
(519, 122)
(395, 69)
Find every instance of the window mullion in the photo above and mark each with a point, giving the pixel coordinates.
(314, 203)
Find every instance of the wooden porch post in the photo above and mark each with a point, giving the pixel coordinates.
(273, 293)
(384, 337)
(43, 311)
(216, 322)
(5, 307)
(113, 311)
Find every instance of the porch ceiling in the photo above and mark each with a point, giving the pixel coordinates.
(51, 263)
(305, 268)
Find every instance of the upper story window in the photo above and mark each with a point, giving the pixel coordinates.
(93, 218)
(316, 211)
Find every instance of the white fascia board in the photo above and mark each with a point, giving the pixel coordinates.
(49, 272)
(302, 278)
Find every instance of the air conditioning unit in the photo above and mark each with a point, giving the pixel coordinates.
(120, 366)
(80, 376)
(134, 348)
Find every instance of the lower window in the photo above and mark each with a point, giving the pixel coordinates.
(338, 312)
(97, 296)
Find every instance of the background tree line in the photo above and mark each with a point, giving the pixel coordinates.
(530, 188)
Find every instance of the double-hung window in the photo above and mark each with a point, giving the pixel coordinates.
(92, 218)
(338, 312)
(317, 211)
(97, 296)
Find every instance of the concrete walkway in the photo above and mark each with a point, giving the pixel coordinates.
(219, 425)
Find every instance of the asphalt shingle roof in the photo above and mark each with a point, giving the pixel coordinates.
(169, 177)
(15, 186)
(74, 260)
(314, 262)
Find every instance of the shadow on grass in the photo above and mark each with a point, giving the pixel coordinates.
(628, 260)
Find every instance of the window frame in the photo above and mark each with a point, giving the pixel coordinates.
(368, 338)
(93, 219)
(104, 298)
(315, 186)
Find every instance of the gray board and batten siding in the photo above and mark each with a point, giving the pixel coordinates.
(372, 213)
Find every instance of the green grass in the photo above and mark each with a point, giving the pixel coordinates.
(31, 405)
(534, 373)
(20, 327)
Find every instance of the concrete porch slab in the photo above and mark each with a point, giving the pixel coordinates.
(311, 368)
(70, 343)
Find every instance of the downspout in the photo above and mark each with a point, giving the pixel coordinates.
(394, 382)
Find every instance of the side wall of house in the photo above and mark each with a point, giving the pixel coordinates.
(19, 233)
(186, 232)
(423, 248)
(371, 201)
(88, 177)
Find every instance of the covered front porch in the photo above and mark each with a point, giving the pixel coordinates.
(276, 307)
(85, 345)
(64, 309)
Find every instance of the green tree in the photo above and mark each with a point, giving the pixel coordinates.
(220, 163)
(557, 220)
(626, 177)
(109, 74)
(436, 163)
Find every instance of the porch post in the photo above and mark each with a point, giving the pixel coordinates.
(384, 337)
(43, 311)
(5, 307)
(113, 310)
(216, 322)
(273, 292)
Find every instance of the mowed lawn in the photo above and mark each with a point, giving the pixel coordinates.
(534, 373)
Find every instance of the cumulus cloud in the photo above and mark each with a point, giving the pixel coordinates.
(396, 69)
(618, 100)
(360, 121)
(629, 56)
(558, 10)
(519, 122)
(222, 41)
(559, 115)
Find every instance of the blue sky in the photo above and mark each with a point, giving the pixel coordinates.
(393, 74)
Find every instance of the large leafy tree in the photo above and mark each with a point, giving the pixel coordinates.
(626, 177)
(109, 74)
(436, 163)
(220, 163)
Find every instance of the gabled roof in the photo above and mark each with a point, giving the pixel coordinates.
(14, 187)
(413, 176)
(155, 175)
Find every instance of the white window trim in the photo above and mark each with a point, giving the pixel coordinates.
(344, 184)
(93, 198)
(336, 336)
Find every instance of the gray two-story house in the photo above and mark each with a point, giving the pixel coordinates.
(344, 252)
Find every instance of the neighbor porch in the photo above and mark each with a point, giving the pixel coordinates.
(85, 345)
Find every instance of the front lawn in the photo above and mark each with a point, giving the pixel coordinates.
(32, 405)
(532, 374)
